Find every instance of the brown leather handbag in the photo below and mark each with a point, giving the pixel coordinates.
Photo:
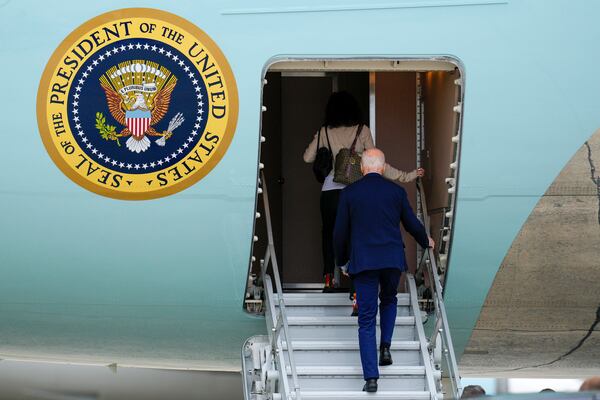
(347, 163)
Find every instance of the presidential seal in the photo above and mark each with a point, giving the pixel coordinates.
(137, 104)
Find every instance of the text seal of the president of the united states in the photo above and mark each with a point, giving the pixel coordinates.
(137, 104)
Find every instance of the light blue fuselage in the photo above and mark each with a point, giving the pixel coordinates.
(161, 282)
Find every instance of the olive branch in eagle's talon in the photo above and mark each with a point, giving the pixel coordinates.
(107, 132)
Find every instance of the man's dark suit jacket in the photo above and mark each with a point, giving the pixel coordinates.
(367, 227)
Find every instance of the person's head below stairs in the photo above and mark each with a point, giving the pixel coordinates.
(472, 392)
(591, 384)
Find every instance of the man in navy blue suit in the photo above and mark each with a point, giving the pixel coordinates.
(367, 237)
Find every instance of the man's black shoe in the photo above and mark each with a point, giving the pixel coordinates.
(385, 357)
(370, 386)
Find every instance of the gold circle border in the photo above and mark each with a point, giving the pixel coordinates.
(107, 17)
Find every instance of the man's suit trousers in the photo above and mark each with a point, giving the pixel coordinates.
(369, 285)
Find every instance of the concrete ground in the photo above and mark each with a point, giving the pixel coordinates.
(27, 380)
(546, 295)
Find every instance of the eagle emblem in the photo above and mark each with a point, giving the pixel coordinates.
(138, 94)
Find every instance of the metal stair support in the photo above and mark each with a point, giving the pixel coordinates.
(440, 343)
(269, 374)
(312, 350)
(325, 343)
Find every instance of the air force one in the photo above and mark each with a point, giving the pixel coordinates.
(157, 213)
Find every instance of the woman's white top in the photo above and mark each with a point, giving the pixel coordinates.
(342, 137)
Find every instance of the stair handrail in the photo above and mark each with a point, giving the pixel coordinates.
(279, 319)
(414, 304)
(441, 327)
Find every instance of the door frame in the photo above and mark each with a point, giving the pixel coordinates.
(309, 64)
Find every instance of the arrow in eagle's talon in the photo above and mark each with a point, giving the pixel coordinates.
(175, 122)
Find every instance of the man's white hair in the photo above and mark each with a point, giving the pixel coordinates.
(373, 159)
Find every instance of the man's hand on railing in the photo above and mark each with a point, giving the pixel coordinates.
(344, 269)
(431, 242)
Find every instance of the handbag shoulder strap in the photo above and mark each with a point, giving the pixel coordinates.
(327, 136)
(356, 137)
(318, 138)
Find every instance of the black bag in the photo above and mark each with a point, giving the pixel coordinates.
(347, 163)
(323, 163)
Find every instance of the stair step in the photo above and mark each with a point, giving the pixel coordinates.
(346, 345)
(352, 321)
(356, 370)
(343, 395)
(331, 311)
(344, 332)
(345, 357)
(328, 301)
(331, 378)
(331, 306)
(356, 383)
(330, 295)
(347, 353)
(314, 293)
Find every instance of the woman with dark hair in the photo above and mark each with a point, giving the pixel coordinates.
(343, 120)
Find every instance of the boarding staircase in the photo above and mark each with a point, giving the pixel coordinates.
(311, 350)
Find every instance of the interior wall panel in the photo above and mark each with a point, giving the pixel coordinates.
(396, 132)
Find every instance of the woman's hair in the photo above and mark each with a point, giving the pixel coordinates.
(342, 110)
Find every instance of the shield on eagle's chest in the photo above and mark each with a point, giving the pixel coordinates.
(138, 122)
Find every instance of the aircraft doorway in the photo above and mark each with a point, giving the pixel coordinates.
(413, 117)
